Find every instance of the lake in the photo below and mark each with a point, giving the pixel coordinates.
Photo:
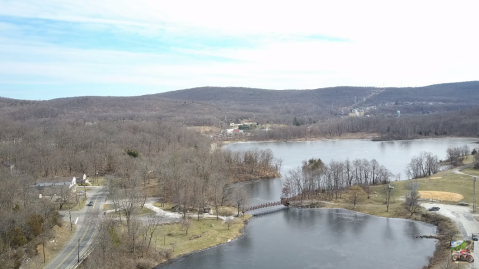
(394, 155)
(319, 238)
(326, 238)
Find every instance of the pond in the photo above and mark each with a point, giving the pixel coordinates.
(319, 238)
(326, 238)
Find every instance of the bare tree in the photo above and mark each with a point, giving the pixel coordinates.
(65, 195)
(153, 221)
(412, 203)
(356, 195)
(218, 183)
(240, 198)
(186, 224)
(229, 221)
(423, 165)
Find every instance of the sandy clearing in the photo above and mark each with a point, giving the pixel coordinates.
(441, 195)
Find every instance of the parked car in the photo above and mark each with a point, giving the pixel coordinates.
(90, 203)
(474, 237)
(434, 208)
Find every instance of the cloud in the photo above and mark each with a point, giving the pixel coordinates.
(159, 45)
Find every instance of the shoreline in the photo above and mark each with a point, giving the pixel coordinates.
(348, 136)
(241, 234)
(374, 137)
(440, 222)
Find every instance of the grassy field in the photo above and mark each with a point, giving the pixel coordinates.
(471, 171)
(201, 235)
(446, 181)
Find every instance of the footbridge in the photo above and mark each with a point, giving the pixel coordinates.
(266, 208)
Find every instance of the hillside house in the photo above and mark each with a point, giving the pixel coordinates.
(57, 183)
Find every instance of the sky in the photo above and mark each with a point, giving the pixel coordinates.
(63, 48)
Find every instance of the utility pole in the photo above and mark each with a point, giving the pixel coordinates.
(78, 247)
(70, 212)
(474, 196)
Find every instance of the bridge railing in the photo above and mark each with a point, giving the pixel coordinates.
(269, 204)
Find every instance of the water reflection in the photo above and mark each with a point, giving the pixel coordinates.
(394, 155)
(319, 238)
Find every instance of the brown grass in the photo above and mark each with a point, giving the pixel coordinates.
(53, 246)
(441, 195)
(203, 234)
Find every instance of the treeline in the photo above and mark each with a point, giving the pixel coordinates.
(423, 165)
(26, 221)
(49, 149)
(215, 106)
(457, 155)
(315, 178)
(463, 123)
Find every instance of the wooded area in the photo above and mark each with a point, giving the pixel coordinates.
(314, 179)
(138, 159)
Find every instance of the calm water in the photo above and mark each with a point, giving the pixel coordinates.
(322, 238)
(319, 238)
(394, 155)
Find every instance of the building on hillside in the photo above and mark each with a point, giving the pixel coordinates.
(249, 123)
(56, 183)
(356, 113)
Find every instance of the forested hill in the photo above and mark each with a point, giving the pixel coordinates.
(220, 105)
(336, 100)
(250, 97)
(340, 95)
(461, 92)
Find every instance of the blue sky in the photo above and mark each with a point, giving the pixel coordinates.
(57, 48)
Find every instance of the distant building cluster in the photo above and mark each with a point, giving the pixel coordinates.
(356, 113)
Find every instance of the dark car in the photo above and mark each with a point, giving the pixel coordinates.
(434, 208)
(90, 203)
(474, 237)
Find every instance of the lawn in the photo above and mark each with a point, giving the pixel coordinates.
(202, 234)
(446, 181)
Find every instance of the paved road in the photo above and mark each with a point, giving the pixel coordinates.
(86, 226)
(465, 222)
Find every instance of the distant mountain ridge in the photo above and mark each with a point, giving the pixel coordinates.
(210, 105)
(252, 94)
(450, 96)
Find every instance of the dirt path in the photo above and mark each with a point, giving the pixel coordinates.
(458, 170)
